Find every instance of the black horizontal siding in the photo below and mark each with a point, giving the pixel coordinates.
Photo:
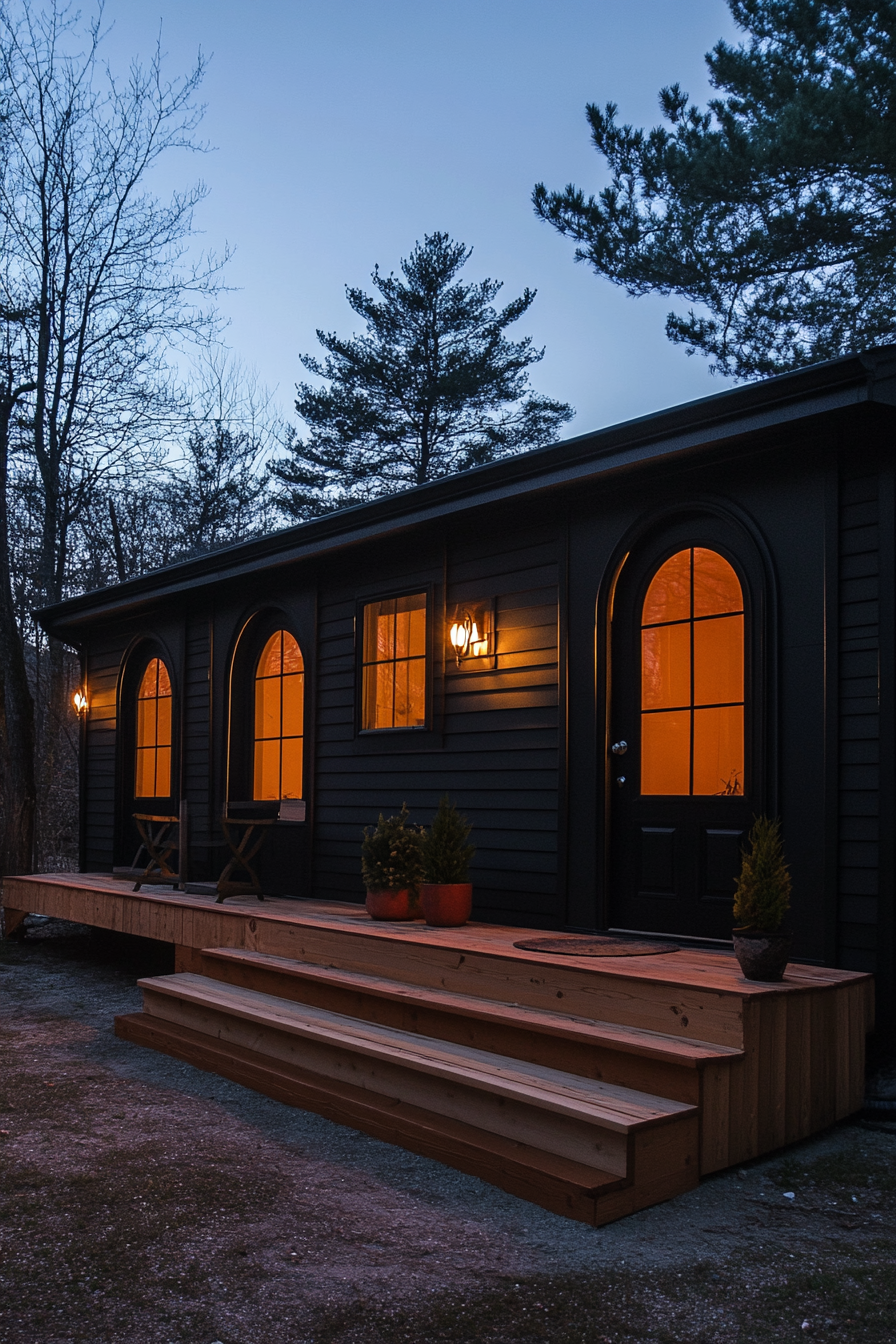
(859, 716)
(196, 764)
(103, 665)
(494, 744)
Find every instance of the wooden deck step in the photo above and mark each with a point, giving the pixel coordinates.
(669, 1066)
(564, 1187)
(609, 1133)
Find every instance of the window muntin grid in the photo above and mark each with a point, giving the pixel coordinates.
(393, 671)
(692, 677)
(279, 719)
(154, 719)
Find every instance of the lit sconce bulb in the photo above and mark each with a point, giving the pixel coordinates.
(458, 637)
(466, 640)
(79, 700)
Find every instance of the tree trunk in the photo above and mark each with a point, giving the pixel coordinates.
(17, 744)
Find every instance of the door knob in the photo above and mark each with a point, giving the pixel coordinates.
(619, 748)
(620, 780)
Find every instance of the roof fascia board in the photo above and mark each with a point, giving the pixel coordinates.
(607, 460)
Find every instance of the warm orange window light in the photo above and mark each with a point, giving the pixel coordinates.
(279, 718)
(393, 692)
(692, 677)
(154, 732)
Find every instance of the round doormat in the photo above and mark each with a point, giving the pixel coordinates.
(595, 946)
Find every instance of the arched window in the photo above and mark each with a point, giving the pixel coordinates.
(153, 773)
(692, 677)
(279, 718)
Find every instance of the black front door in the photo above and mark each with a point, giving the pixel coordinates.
(682, 760)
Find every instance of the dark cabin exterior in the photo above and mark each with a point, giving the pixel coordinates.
(791, 481)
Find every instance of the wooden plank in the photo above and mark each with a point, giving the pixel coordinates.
(616, 1107)
(715, 1107)
(744, 1091)
(555, 1183)
(644, 1061)
(798, 1071)
(821, 1043)
(771, 1107)
(608, 995)
(301, 978)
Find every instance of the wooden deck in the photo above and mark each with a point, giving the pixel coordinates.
(591, 1086)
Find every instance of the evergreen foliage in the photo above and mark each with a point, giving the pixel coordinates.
(774, 209)
(446, 854)
(762, 896)
(391, 854)
(433, 387)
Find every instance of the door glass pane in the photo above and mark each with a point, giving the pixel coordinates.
(718, 660)
(152, 766)
(163, 772)
(692, 671)
(665, 753)
(716, 586)
(267, 769)
(293, 706)
(666, 666)
(719, 750)
(292, 655)
(146, 723)
(145, 774)
(291, 768)
(267, 707)
(669, 595)
(279, 719)
(163, 721)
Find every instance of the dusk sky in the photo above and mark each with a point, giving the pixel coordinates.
(345, 131)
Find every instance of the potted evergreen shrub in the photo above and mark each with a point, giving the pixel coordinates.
(761, 901)
(392, 866)
(446, 894)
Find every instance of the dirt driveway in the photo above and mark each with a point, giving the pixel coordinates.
(144, 1202)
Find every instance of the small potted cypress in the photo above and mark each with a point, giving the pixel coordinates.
(761, 900)
(446, 893)
(392, 866)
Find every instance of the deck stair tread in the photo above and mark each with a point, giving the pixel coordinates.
(587, 1031)
(479, 1151)
(617, 1109)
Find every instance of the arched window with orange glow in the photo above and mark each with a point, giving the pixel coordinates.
(279, 718)
(154, 732)
(692, 677)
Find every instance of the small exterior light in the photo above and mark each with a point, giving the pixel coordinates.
(470, 633)
(79, 700)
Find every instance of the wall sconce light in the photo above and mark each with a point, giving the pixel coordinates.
(470, 634)
(79, 700)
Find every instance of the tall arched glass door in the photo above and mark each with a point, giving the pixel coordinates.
(692, 677)
(279, 719)
(154, 732)
(683, 758)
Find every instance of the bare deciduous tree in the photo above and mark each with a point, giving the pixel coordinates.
(97, 283)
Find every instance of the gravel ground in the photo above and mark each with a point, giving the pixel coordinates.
(145, 1202)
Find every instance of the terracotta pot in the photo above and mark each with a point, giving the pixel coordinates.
(446, 905)
(762, 956)
(391, 905)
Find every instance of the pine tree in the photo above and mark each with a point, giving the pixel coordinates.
(446, 854)
(433, 387)
(762, 895)
(774, 209)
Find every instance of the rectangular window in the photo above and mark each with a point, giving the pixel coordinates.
(393, 673)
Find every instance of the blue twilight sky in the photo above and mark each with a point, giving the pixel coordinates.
(345, 130)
